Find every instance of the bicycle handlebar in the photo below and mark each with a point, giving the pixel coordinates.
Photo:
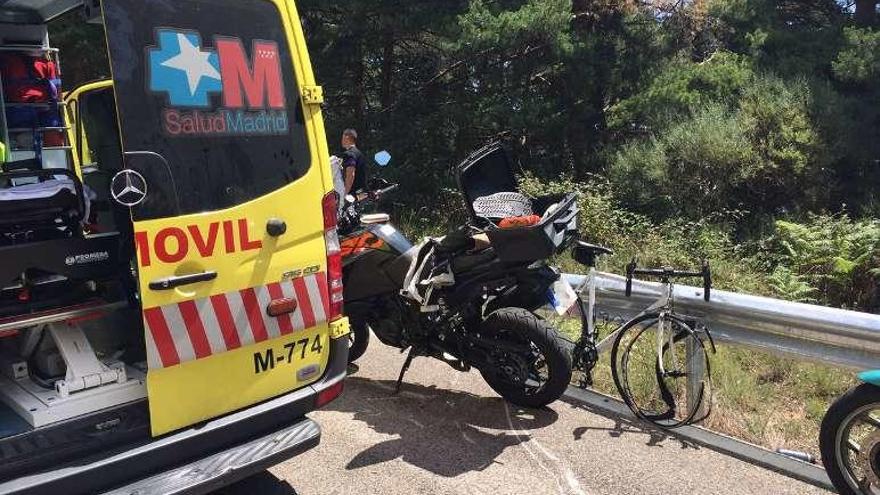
(665, 274)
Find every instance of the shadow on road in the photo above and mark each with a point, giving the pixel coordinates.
(441, 431)
(656, 437)
(264, 483)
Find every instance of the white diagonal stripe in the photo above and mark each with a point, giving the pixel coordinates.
(177, 327)
(153, 360)
(296, 316)
(240, 318)
(315, 296)
(212, 326)
(263, 299)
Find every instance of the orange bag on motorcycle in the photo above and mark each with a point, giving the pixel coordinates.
(514, 222)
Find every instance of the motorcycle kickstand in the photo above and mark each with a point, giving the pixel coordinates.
(404, 369)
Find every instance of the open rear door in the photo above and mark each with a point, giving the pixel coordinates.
(226, 194)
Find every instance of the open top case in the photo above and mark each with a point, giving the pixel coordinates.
(489, 171)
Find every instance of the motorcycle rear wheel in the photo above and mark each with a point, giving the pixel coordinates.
(543, 348)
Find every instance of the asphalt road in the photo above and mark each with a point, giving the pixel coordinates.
(448, 433)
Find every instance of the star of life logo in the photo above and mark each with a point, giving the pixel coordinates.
(191, 76)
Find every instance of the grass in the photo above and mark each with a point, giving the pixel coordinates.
(772, 401)
(758, 397)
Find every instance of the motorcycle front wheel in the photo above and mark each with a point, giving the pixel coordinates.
(530, 364)
(358, 340)
(850, 441)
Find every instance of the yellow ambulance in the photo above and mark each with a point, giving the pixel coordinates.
(170, 287)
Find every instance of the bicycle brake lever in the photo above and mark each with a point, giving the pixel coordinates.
(707, 281)
(630, 271)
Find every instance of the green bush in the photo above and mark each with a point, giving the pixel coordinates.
(602, 219)
(692, 169)
(763, 153)
(859, 60)
(682, 87)
(837, 257)
(675, 242)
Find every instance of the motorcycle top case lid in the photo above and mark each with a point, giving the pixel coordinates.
(489, 171)
(485, 172)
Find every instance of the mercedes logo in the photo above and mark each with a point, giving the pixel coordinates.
(128, 188)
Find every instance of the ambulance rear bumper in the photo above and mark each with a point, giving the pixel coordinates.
(229, 466)
(199, 459)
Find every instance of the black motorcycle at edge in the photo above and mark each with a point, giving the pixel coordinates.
(479, 311)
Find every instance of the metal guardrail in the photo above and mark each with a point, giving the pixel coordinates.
(802, 331)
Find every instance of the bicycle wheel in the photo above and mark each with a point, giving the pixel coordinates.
(661, 369)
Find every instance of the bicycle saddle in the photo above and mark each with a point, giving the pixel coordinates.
(586, 254)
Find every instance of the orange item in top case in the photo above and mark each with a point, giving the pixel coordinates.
(514, 222)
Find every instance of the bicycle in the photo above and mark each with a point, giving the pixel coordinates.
(678, 343)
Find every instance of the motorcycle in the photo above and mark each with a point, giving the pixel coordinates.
(849, 439)
(468, 299)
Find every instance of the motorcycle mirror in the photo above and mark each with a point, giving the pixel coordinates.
(383, 158)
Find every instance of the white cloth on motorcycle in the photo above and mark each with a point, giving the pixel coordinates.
(426, 273)
(338, 180)
(436, 262)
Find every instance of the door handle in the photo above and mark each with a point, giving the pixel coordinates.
(169, 283)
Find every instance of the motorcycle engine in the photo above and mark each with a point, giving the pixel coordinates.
(392, 321)
(388, 331)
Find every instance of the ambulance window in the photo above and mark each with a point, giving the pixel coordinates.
(210, 86)
(97, 118)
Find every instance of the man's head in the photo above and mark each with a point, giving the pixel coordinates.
(349, 138)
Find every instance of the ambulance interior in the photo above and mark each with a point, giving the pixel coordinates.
(71, 335)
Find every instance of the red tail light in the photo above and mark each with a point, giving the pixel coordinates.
(328, 395)
(330, 206)
(334, 256)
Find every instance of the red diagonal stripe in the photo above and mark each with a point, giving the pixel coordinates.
(161, 336)
(227, 323)
(304, 303)
(255, 315)
(195, 329)
(284, 322)
(321, 278)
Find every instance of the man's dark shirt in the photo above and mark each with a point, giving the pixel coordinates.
(354, 158)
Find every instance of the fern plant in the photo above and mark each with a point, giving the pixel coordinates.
(836, 255)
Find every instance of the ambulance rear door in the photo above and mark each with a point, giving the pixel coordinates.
(225, 181)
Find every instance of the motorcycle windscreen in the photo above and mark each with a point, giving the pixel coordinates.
(216, 150)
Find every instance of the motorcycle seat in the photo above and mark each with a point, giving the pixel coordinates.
(472, 260)
(587, 254)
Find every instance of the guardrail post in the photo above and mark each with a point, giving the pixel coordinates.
(697, 389)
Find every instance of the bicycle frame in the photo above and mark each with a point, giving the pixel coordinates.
(588, 321)
(662, 313)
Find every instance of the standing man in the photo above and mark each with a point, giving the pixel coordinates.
(353, 164)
